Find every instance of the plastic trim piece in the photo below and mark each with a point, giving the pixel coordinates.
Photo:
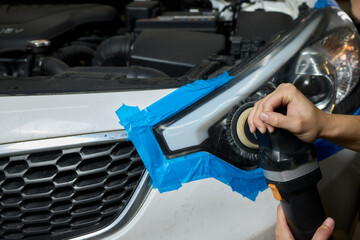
(62, 142)
(138, 198)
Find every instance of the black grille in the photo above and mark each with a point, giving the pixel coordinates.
(67, 192)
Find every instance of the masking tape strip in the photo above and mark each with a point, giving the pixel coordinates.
(168, 174)
(326, 3)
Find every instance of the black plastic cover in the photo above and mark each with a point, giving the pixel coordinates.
(21, 23)
(139, 10)
(174, 52)
(261, 25)
(109, 79)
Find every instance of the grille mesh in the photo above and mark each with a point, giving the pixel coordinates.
(66, 192)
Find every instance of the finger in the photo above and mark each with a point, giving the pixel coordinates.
(278, 120)
(325, 230)
(270, 128)
(259, 124)
(281, 220)
(250, 120)
(280, 97)
(273, 102)
(252, 114)
(282, 230)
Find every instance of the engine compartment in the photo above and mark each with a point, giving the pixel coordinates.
(185, 39)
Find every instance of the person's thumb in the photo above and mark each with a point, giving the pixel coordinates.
(325, 230)
(276, 120)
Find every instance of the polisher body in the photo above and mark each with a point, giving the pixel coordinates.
(292, 172)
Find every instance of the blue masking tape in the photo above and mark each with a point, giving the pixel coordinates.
(169, 175)
(325, 148)
(326, 3)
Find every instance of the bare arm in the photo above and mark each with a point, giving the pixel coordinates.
(303, 119)
(355, 9)
(344, 130)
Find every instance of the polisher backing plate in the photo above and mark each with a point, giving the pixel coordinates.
(240, 129)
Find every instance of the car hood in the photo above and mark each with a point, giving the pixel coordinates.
(26, 118)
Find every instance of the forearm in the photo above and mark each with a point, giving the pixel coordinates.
(355, 9)
(343, 130)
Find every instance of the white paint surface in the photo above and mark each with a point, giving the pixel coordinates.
(205, 209)
(37, 117)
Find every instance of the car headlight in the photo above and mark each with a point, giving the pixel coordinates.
(185, 135)
(328, 70)
(319, 54)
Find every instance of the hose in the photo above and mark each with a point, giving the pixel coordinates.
(114, 51)
(75, 55)
(51, 66)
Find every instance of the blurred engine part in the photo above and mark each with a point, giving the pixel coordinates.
(189, 21)
(133, 72)
(51, 66)
(174, 52)
(141, 10)
(114, 51)
(186, 38)
(75, 55)
(22, 23)
(254, 29)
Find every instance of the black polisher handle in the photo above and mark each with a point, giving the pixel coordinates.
(304, 212)
(300, 197)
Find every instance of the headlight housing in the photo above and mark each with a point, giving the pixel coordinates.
(319, 54)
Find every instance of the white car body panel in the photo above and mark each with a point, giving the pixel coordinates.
(205, 209)
(38, 117)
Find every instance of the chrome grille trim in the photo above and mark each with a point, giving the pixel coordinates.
(140, 194)
(61, 142)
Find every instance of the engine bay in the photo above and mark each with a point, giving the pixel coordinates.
(185, 39)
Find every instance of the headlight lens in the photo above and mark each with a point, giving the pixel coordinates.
(343, 46)
(316, 88)
(328, 70)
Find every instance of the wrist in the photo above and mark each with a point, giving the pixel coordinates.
(327, 125)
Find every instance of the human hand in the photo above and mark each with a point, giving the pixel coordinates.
(303, 118)
(282, 231)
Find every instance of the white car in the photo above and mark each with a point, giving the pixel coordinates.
(67, 170)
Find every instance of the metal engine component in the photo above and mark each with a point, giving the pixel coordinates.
(22, 23)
